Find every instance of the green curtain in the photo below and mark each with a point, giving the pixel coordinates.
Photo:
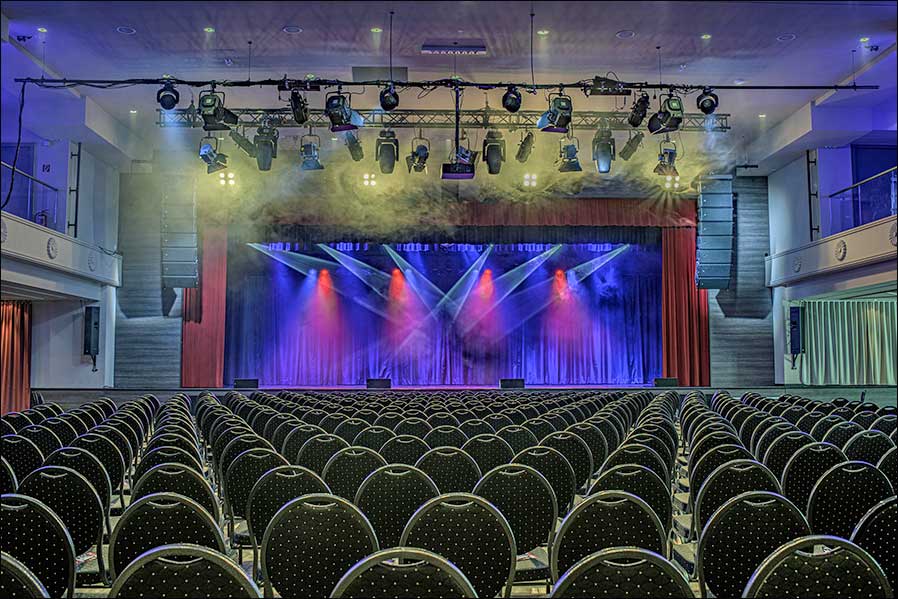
(850, 342)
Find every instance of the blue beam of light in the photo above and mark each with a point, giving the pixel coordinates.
(377, 280)
(307, 265)
(429, 294)
(508, 282)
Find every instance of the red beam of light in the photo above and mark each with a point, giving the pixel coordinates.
(405, 313)
(560, 289)
(485, 288)
(398, 288)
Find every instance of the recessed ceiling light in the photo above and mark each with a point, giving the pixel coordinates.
(133, 111)
(376, 30)
(209, 29)
(625, 34)
(762, 116)
(42, 30)
(543, 32)
(125, 30)
(786, 37)
(863, 40)
(292, 29)
(706, 36)
(738, 81)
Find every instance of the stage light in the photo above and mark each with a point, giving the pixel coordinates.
(524, 148)
(557, 118)
(667, 158)
(569, 147)
(603, 150)
(215, 160)
(417, 160)
(631, 146)
(341, 114)
(462, 167)
(213, 112)
(168, 97)
(266, 144)
(299, 106)
(369, 180)
(529, 180)
(308, 151)
(386, 151)
(494, 151)
(707, 102)
(639, 110)
(355, 146)
(511, 99)
(389, 99)
(243, 143)
(229, 180)
(668, 118)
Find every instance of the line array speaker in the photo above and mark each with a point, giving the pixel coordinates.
(180, 258)
(714, 243)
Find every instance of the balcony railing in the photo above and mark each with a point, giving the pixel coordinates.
(864, 202)
(33, 199)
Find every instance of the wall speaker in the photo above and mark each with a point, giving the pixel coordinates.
(511, 383)
(180, 257)
(246, 383)
(92, 331)
(796, 338)
(714, 240)
(379, 384)
(668, 381)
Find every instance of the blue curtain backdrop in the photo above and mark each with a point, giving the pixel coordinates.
(318, 318)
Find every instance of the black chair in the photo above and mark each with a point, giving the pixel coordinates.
(45, 439)
(169, 439)
(346, 470)
(740, 535)
(638, 454)
(606, 519)
(34, 535)
(453, 470)
(275, 489)
(373, 437)
(889, 466)
(875, 533)
(475, 427)
(240, 478)
(389, 420)
(311, 542)
(577, 453)
(643, 483)
(17, 581)
(297, 438)
(805, 468)
(316, 452)
(840, 434)
(868, 446)
(235, 448)
(658, 444)
(404, 572)
(167, 455)
(105, 451)
(727, 481)
(556, 469)
(843, 495)
(404, 449)
(8, 481)
(446, 436)
(330, 422)
(781, 450)
(64, 431)
(708, 463)
(87, 465)
(416, 427)
(21, 454)
(540, 427)
(119, 439)
(183, 570)
(178, 479)
(349, 429)
(161, 519)
(472, 534)
(17, 421)
(623, 572)
(390, 495)
(800, 568)
(518, 437)
(74, 500)
(489, 451)
(886, 423)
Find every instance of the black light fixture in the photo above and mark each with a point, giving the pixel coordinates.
(461, 165)
(557, 118)
(639, 110)
(215, 160)
(668, 118)
(511, 99)
(243, 143)
(524, 148)
(707, 101)
(266, 144)
(168, 97)
(299, 106)
(354, 145)
(569, 147)
(213, 112)
(417, 160)
(389, 99)
(603, 149)
(631, 146)
(340, 112)
(666, 167)
(494, 151)
(309, 145)
(386, 150)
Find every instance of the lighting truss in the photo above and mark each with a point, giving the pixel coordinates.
(442, 119)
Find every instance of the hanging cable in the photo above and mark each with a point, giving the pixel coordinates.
(15, 158)
(249, 62)
(532, 75)
(391, 45)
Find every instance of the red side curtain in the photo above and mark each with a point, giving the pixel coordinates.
(684, 309)
(203, 324)
(15, 356)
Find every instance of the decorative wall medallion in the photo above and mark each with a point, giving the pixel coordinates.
(52, 248)
(796, 263)
(893, 234)
(841, 250)
(4, 231)
(92, 260)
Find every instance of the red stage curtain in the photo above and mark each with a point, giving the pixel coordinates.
(202, 329)
(614, 212)
(684, 310)
(15, 356)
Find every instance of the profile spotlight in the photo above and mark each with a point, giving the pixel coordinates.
(266, 145)
(389, 99)
(511, 99)
(417, 160)
(355, 146)
(494, 151)
(631, 146)
(603, 150)
(524, 148)
(308, 151)
(341, 114)
(558, 117)
(215, 160)
(462, 167)
(386, 150)
(667, 158)
(570, 146)
(299, 106)
(213, 112)
(707, 102)
(668, 118)
(639, 110)
(168, 97)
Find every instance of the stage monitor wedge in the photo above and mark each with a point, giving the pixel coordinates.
(714, 241)
(511, 383)
(379, 384)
